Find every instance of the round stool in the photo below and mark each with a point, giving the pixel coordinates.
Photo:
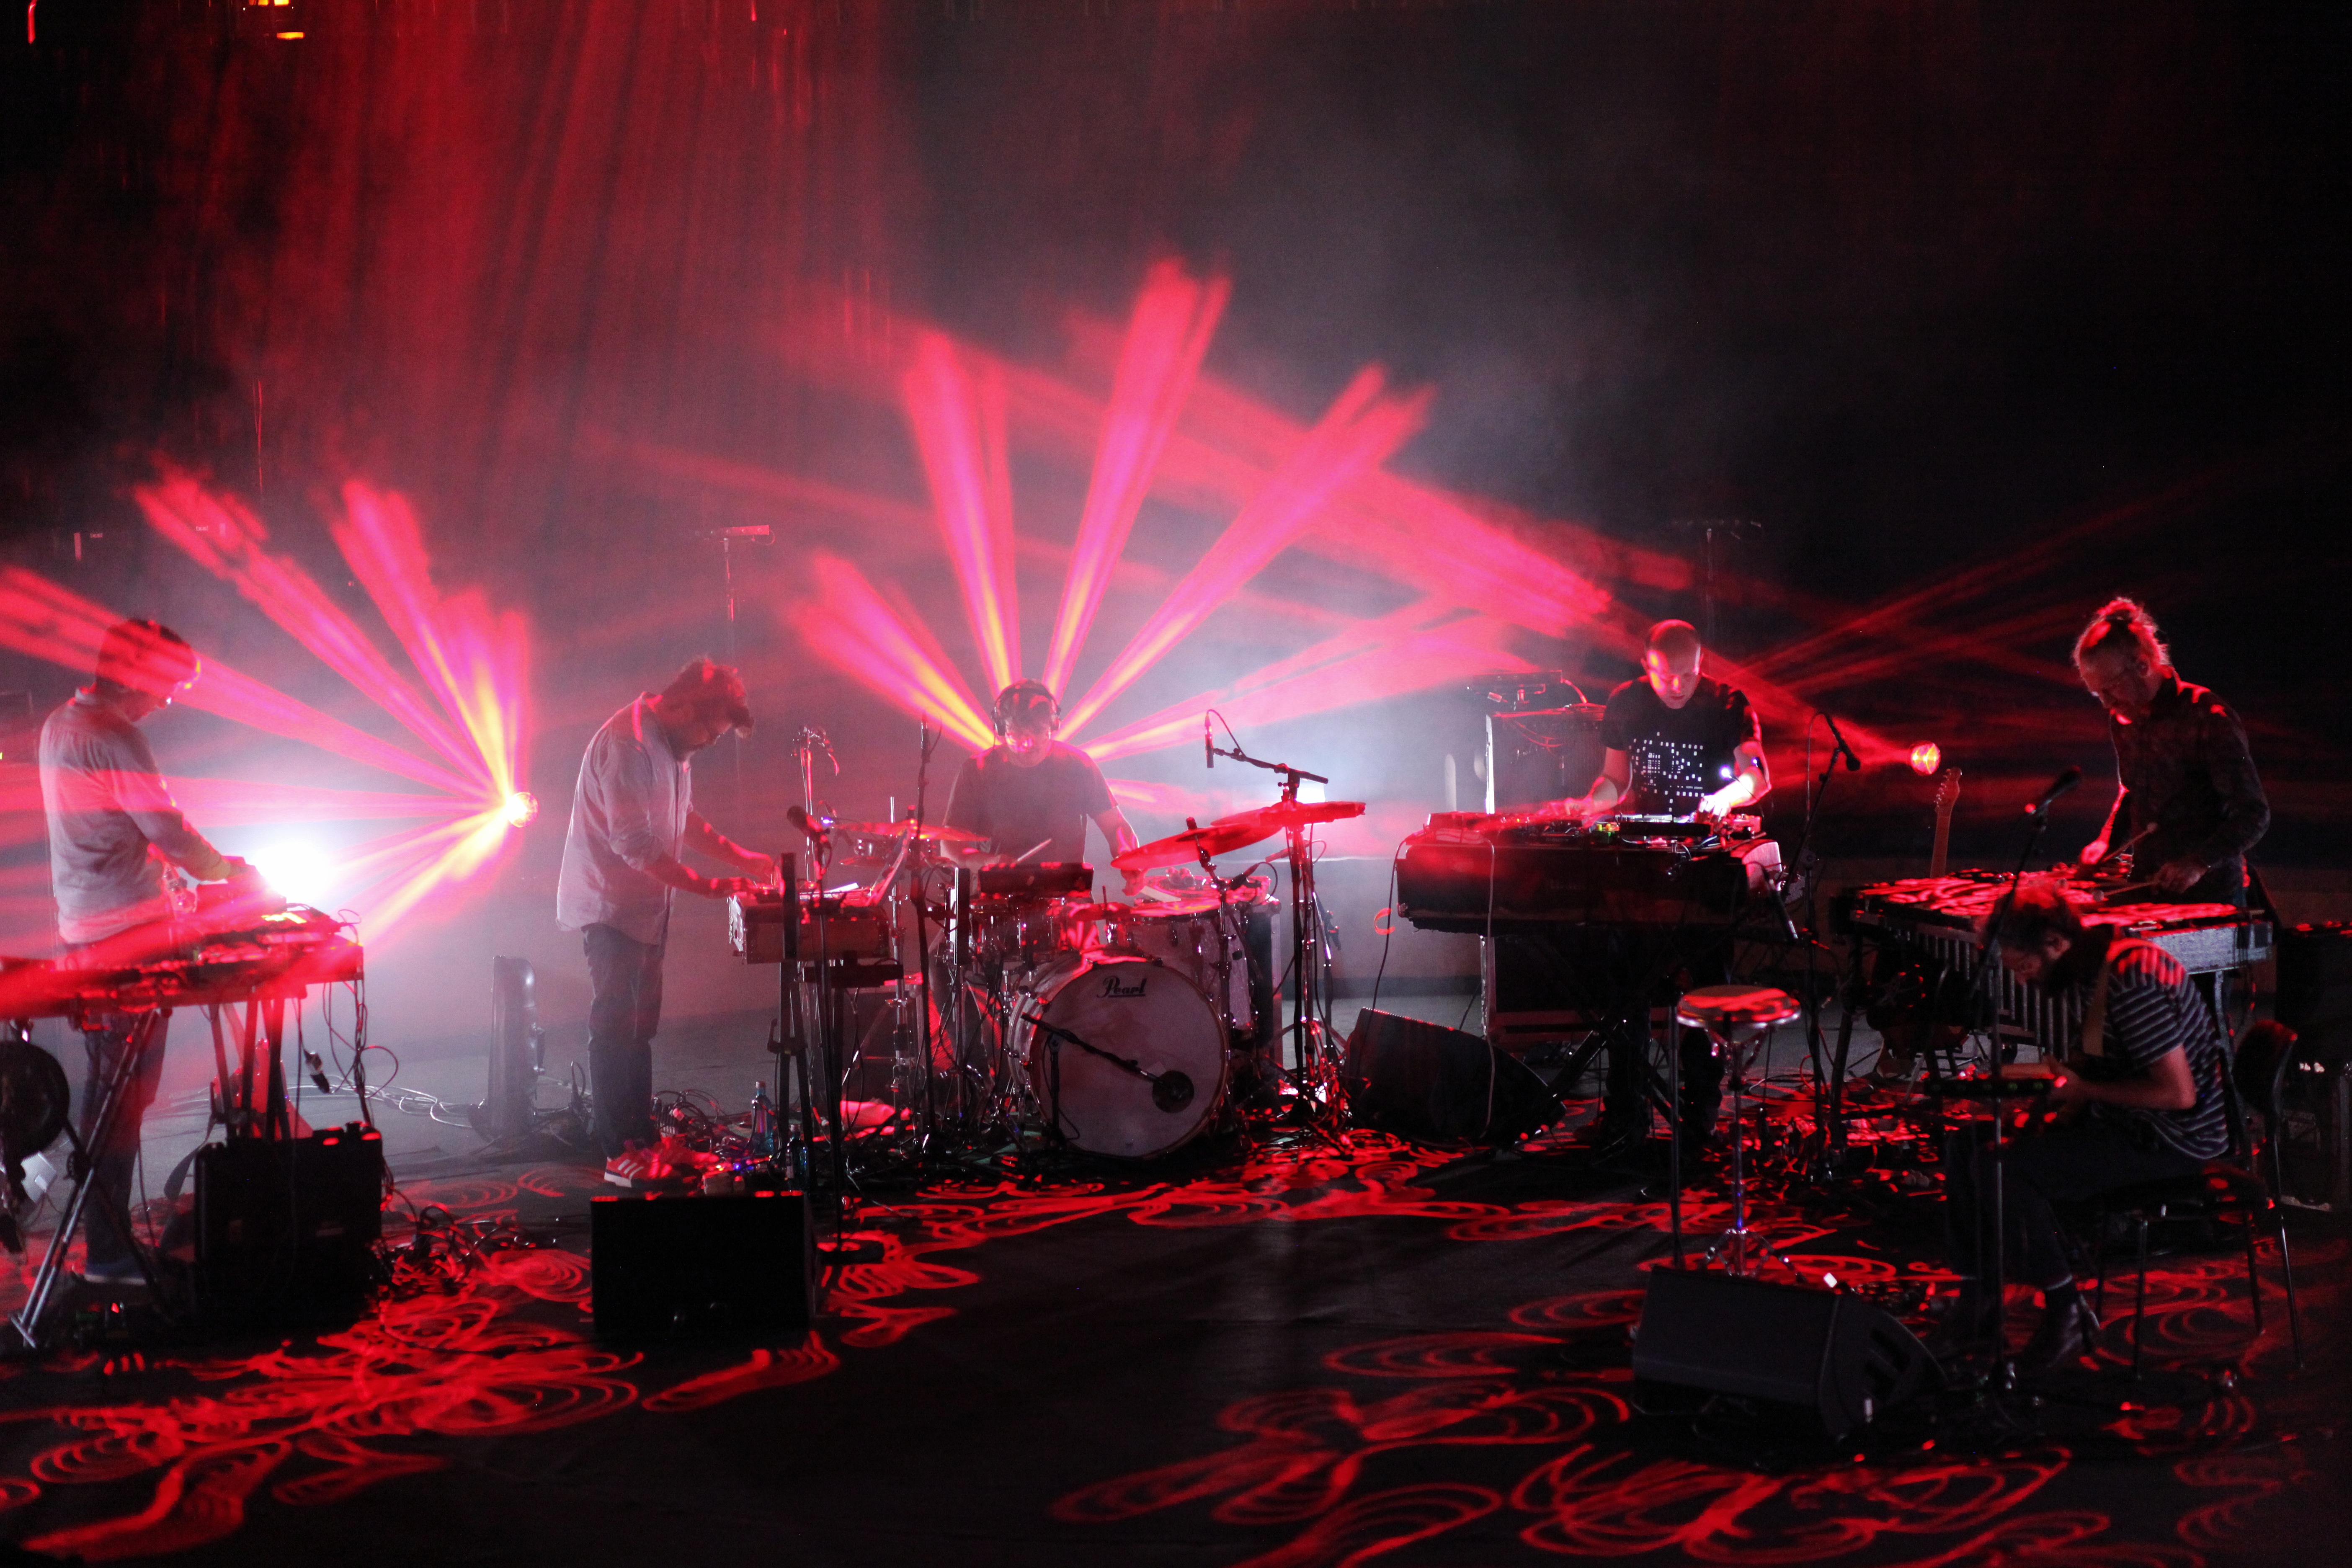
(1735, 1018)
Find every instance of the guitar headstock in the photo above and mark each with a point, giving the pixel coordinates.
(1947, 791)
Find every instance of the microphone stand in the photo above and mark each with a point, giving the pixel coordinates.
(1996, 1276)
(1305, 937)
(1829, 1072)
(925, 742)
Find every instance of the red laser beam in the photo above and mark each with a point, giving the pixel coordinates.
(1422, 646)
(221, 535)
(1174, 318)
(39, 618)
(471, 656)
(1360, 431)
(959, 432)
(850, 626)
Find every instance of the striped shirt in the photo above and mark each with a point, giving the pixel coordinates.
(2153, 1011)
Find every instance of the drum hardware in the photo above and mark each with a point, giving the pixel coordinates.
(1315, 1049)
(1140, 1024)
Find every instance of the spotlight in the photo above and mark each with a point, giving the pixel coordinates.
(1925, 758)
(522, 808)
(298, 871)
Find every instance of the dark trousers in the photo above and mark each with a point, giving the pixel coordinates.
(2056, 1165)
(114, 1163)
(624, 980)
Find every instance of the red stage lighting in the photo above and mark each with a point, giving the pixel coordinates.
(1174, 318)
(960, 430)
(1925, 758)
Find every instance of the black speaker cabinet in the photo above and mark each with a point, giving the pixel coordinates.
(287, 1228)
(1426, 1082)
(1833, 1361)
(682, 1267)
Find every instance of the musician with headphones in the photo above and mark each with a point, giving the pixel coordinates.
(1030, 794)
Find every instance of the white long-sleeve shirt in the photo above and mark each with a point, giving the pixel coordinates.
(628, 811)
(108, 807)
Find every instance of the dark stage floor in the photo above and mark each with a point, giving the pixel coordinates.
(1297, 1355)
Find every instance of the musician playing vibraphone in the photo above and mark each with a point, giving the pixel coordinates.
(2139, 1099)
(2190, 804)
(113, 827)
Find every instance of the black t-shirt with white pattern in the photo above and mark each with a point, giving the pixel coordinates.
(1676, 755)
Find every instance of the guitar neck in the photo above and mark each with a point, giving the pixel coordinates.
(1946, 798)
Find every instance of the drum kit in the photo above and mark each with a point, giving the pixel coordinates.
(1052, 1018)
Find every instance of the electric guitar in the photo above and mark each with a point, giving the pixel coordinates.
(1947, 796)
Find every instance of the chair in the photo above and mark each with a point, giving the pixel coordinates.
(2228, 1185)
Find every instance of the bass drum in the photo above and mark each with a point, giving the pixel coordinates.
(1133, 1008)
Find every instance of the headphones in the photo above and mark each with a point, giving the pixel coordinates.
(1019, 697)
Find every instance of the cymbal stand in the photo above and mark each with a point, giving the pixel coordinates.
(1996, 1265)
(927, 741)
(1318, 1081)
(1828, 1069)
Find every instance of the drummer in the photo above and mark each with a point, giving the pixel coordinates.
(1030, 796)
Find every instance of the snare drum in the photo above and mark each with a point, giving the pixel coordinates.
(1011, 935)
(1204, 941)
(1131, 1009)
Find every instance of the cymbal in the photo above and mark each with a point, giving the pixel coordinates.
(933, 833)
(1287, 814)
(1179, 848)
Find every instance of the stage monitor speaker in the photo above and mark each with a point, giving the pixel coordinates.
(2315, 988)
(285, 1228)
(689, 1267)
(1432, 1084)
(1831, 1360)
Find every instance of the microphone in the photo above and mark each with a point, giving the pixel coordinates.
(2058, 786)
(808, 825)
(1853, 763)
(1208, 745)
(1171, 1091)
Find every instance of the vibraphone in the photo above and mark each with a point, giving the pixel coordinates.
(1937, 918)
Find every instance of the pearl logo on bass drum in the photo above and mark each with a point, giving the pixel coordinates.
(1116, 984)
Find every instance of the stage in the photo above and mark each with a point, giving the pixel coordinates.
(1299, 1354)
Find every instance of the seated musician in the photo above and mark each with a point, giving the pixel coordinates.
(1030, 796)
(113, 826)
(1676, 742)
(2190, 805)
(2139, 1100)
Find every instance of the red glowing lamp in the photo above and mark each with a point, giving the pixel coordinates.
(521, 808)
(1925, 758)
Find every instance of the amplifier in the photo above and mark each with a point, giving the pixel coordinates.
(687, 1267)
(285, 1228)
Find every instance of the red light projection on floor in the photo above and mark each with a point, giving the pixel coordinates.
(1513, 1432)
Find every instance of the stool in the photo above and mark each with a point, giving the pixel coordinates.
(1735, 1018)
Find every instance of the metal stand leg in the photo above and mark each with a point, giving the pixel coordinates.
(27, 1320)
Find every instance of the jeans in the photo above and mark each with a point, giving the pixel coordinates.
(2059, 1164)
(113, 1164)
(625, 979)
